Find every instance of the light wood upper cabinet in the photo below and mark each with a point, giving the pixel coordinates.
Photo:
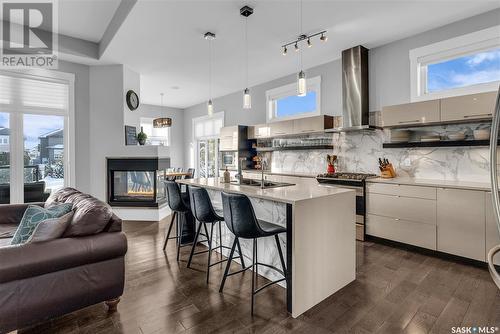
(281, 128)
(228, 138)
(411, 113)
(475, 106)
(312, 124)
(461, 223)
(492, 238)
(259, 131)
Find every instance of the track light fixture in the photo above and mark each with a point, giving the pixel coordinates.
(246, 11)
(209, 36)
(304, 38)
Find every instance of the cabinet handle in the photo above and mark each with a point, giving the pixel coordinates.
(414, 121)
(477, 115)
(279, 133)
(396, 219)
(310, 130)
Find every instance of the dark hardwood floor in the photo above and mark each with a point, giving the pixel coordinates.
(396, 291)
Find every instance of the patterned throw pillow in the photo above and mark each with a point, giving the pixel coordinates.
(35, 214)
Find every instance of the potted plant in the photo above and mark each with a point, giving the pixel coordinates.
(141, 137)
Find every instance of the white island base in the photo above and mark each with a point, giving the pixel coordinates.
(319, 243)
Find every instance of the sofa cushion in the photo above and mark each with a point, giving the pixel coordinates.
(35, 215)
(7, 230)
(50, 229)
(91, 215)
(4, 242)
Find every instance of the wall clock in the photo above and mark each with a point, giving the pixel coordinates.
(132, 100)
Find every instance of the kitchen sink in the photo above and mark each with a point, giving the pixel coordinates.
(267, 184)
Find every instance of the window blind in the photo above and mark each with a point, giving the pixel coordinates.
(24, 94)
(205, 127)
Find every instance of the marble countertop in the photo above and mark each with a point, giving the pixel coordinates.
(303, 189)
(469, 185)
(268, 172)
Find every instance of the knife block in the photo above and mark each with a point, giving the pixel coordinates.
(388, 172)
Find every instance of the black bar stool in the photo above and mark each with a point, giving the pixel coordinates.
(204, 212)
(240, 219)
(179, 204)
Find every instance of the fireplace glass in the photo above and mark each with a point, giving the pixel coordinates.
(136, 182)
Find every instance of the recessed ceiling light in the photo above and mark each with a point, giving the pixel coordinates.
(175, 87)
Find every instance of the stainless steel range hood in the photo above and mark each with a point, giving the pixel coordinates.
(355, 110)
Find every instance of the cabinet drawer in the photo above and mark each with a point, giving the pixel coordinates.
(312, 124)
(417, 234)
(411, 113)
(402, 190)
(406, 208)
(466, 107)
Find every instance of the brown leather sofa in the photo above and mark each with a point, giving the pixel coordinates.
(39, 281)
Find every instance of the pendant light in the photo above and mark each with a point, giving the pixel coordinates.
(210, 106)
(247, 98)
(301, 77)
(162, 122)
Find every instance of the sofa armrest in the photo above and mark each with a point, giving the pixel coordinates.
(34, 259)
(12, 213)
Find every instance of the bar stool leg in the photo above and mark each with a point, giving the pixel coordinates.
(228, 265)
(240, 253)
(280, 254)
(220, 239)
(194, 244)
(180, 229)
(254, 257)
(209, 250)
(169, 229)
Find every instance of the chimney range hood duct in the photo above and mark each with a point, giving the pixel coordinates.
(355, 110)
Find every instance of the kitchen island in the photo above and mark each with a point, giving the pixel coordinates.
(320, 238)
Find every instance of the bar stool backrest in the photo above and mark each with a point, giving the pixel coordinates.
(240, 216)
(174, 197)
(201, 205)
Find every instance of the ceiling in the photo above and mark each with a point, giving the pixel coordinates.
(163, 40)
(85, 19)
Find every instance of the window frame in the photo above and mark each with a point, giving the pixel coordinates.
(313, 84)
(16, 114)
(217, 115)
(420, 58)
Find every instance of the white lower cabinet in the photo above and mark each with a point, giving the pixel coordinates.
(492, 238)
(409, 232)
(461, 222)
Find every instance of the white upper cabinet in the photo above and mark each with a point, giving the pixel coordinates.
(259, 131)
(411, 113)
(461, 223)
(475, 106)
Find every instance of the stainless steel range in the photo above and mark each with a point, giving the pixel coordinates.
(354, 181)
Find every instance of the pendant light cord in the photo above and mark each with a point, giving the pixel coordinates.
(300, 30)
(246, 52)
(210, 69)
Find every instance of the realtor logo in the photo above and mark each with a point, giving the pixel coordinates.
(29, 34)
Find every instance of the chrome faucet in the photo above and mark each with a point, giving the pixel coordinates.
(262, 164)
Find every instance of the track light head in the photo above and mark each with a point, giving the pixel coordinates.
(285, 50)
(323, 37)
(309, 44)
(296, 47)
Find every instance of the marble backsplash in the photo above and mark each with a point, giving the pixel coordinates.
(359, 152)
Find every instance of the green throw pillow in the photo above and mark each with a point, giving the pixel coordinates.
(33, 216)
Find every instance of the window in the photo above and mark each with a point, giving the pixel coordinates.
(206, 132)
(35, 134)
(156, 136)
(463, 65)
(283, 102)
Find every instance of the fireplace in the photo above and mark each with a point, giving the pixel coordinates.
(136, 182)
